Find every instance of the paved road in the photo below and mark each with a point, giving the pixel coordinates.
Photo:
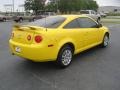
(96, 69)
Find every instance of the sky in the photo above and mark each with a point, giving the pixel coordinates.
(20, 2)
(4, 2)
(108, 2)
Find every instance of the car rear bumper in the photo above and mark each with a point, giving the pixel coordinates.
(32, 52)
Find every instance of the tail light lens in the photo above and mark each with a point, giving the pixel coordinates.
(38, 39)
(29, 37)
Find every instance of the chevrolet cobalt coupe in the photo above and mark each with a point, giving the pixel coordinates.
(57, 38)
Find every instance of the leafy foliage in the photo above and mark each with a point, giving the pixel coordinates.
(35, 5)
(76, 5)
(64, 6)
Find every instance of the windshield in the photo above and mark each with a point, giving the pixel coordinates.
(49, 22)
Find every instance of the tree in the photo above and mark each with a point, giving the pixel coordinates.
(35, 5)
(91, 4)
(66, 6)
(52, 6)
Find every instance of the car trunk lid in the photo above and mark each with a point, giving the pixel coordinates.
(24, 34)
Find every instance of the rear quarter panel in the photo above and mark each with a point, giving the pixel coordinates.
(58, 38)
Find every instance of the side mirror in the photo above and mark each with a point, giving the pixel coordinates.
(99, 25)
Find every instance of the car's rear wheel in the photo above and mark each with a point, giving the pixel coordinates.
(65, 56)
(105, 41)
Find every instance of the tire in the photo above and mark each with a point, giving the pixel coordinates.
(16, 21)
(20, 20)
(4, 19)
(105, 41)
(65, 56)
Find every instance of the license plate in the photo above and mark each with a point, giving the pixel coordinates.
(18, 49)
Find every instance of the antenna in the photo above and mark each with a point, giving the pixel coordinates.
(45, 19)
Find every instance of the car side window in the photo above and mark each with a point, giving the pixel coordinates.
(86, 23)
(93, 12)
(72, 24)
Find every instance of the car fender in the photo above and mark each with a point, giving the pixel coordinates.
(64, 42)
(104, 31)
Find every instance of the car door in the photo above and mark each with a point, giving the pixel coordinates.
(92, 31)
(78, 35)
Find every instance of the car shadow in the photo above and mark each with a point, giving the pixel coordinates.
(81, 57)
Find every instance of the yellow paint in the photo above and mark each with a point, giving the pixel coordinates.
(82, 39)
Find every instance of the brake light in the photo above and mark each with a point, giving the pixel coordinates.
(38, 39)
(29, 37)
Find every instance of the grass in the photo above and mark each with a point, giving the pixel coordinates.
(111, 19)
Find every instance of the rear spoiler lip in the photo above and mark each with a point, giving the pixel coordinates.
(30, 27)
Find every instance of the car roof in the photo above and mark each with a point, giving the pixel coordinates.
(70, 18)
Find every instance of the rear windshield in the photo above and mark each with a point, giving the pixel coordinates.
(84, 12)
(49, 22)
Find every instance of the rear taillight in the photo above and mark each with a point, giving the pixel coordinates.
(29, 37)
(12, 35)
(38, 39)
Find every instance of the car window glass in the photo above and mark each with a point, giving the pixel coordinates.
(49, 22)
(84, 12)
(93, 12)
(86, 23)
(73, 24)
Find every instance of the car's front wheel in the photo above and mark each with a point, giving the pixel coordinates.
(4, 19)
(21, 20)
(105, 41)
(65, 56)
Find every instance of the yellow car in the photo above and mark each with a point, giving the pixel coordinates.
(57, 38)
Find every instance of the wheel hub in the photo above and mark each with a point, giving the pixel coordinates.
(66, 57)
